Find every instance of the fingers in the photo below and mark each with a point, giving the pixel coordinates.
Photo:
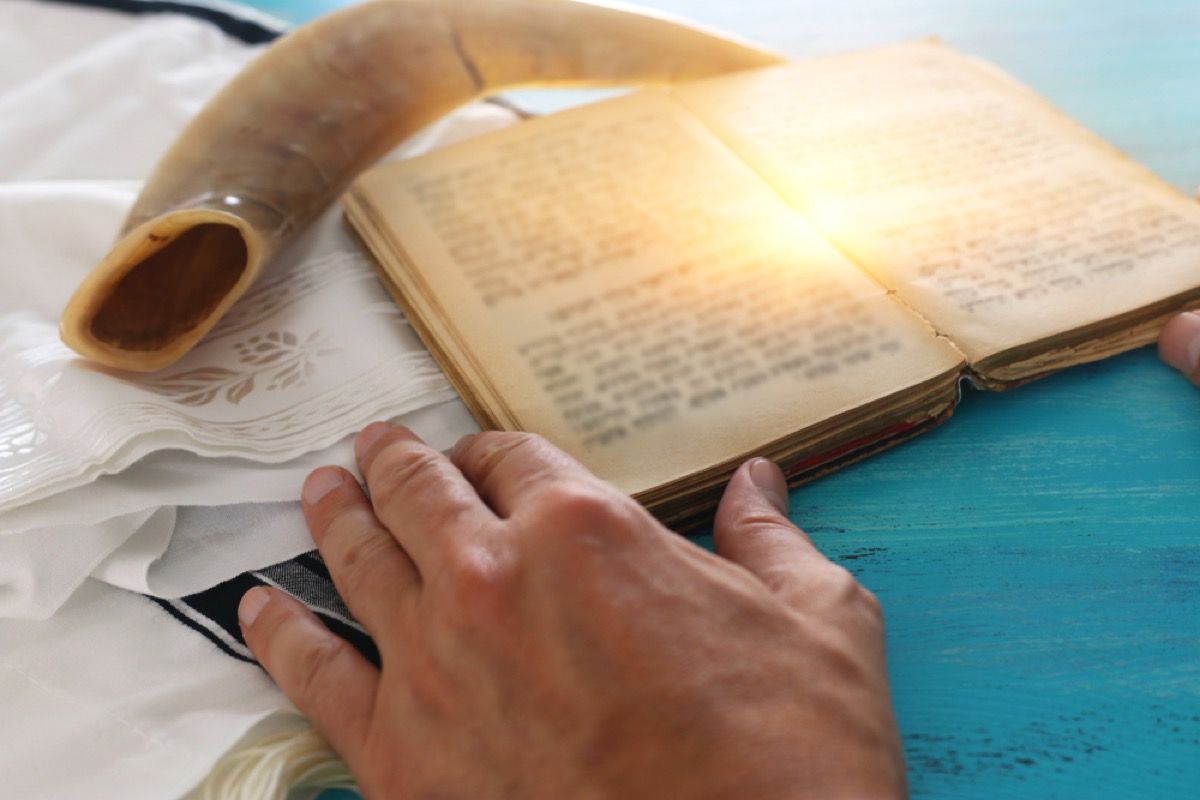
(324, 676)
(419, 495)
(751, 527)
(373, 574)
(1179, 344)
(507, 469)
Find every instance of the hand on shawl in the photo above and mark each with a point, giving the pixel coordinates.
(542, 636)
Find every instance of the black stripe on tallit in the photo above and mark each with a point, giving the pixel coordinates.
(247, 30)
(169, 607)
(219, 606)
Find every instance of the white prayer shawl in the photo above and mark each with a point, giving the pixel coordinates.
(88, 101)
(108, 693)
(113, 698)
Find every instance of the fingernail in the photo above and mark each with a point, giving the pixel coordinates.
(320, 483)
(770, 481)
(1179, 344)
(252, 603)
(368, 437)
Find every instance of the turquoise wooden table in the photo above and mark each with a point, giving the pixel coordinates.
(1038, 556)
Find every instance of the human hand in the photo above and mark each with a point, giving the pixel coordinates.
(542, 636)
(1179, 344)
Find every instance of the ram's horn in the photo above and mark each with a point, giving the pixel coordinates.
(284, 138)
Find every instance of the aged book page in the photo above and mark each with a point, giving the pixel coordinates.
(1005, 224)
(614, 278)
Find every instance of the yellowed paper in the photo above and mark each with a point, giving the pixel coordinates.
(994, 216)
(625, 285)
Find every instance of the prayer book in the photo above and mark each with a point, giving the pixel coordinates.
(801, 262)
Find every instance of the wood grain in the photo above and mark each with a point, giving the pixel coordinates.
(1038, 556)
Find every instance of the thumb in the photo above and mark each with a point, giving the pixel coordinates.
(752, 528)
(1179, 344)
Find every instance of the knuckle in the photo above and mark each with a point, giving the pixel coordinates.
(504, 440)
(764, 530)
(401, 464)
(843, 589)
(487, 450)
(781, 546)
(314, 664)
(761, 522)
(579, 508)
(483, 587)
(838, 582)
(474, 565)
(779, 578)
(356, 556)
(578, 504)
(871, 607)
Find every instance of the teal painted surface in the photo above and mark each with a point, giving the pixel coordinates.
(1039, 562)
(1038, 556)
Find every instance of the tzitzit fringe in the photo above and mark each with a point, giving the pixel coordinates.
(274, 765)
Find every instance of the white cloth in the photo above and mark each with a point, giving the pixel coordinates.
(33, 585)
(114, 698)
(212, 543)
(314, 350)
(88, 100)
(234, 516)
(108, 695)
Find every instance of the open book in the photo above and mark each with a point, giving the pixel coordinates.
(799, 262)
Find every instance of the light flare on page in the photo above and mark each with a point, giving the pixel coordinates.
(853, 223)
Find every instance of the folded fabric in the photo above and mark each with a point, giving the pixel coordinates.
(90, 458)
(211, 543)
(112, 697)
(233, 516)
(40, 569)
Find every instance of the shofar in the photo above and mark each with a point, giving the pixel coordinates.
(284, 138)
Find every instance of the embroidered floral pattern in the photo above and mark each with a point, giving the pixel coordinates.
(266, 387)
(264, 299)
(272, 294)
(276, 360)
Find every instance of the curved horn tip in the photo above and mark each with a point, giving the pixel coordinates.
(163, 286)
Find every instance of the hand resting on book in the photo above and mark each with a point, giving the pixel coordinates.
(541, 635)
(1179, 345)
